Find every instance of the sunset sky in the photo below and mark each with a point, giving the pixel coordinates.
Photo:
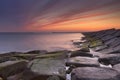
(58, 15)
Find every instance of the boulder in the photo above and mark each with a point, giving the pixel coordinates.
(94, 73)
(48, 67)
(109, 59)
(80, 53)
(82, 62)
(10, 68)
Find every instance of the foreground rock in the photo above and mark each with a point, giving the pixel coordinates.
(94, 73)
(10, 68)
(48, 67)
(82, 62)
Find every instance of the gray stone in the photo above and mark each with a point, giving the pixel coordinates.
(82, 62)
(110, 59)
(95, 73)
(10, 68)
(48, 67)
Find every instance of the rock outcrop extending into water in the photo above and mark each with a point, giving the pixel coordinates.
(103, 45)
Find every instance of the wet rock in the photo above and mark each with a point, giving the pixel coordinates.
(95, 73)
(10, 68)
(82, 62)
(80, 53)
(110, 59)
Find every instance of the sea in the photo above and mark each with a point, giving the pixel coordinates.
(23, 42)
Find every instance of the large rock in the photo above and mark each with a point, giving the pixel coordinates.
(48, 67)
(95, 73)
(80, 53)
(82, 62)
(12, 67)
(109, 59)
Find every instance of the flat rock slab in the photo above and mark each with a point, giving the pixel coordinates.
(10, 68)
(110, 59)
(48, 67)
(82, 62)
(95, 73)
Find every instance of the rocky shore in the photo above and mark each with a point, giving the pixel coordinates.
(33, 65)
(97, 59)
(101, 61)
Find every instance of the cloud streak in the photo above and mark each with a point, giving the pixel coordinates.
(42, 15)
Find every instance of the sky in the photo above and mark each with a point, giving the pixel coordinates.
(58, 15)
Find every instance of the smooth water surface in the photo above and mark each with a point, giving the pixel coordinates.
(41, 41)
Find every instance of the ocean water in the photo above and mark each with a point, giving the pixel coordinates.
(23, 42)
